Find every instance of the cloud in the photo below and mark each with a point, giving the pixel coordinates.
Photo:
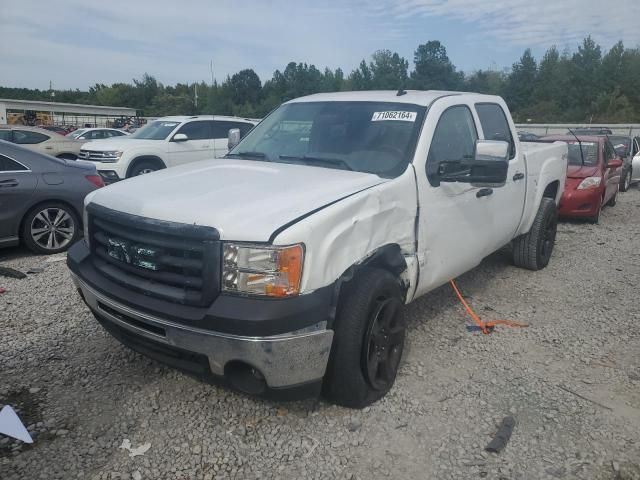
(78, 43)
(526, 23)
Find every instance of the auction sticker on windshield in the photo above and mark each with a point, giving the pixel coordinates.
(401, 116)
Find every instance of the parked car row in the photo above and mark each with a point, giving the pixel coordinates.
(165, 142)
(597, 160)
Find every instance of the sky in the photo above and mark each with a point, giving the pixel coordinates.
(78, 43)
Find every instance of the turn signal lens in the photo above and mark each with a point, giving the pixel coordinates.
(262, 270)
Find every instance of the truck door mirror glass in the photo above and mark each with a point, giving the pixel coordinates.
(489, 165)
(233, 138)
(180, 137)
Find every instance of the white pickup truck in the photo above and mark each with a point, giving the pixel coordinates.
(162, 143)
(285, 267)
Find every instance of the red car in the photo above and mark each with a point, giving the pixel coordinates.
(593, 176)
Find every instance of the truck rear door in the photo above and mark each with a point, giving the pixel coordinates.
(507, 201)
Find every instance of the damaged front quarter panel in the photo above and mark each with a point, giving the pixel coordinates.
(348, 232)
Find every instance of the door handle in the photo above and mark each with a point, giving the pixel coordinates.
(484, 192)
(48, 148)
(518, 176)
(8, 183)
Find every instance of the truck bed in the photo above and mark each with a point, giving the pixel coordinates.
(546, 163)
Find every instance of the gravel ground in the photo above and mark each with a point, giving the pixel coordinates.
(571, 380)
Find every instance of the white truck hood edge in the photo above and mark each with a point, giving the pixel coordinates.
(244, 200)
(119, 143)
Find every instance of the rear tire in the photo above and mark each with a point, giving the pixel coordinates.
(67, 156)
(533, 250)
(612, 202)
(368, 340)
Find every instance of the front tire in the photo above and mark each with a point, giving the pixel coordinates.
(50, 228)
(533, 250)
(368, 341)
(144, 167)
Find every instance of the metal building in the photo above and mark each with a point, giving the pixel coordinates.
(54, 113)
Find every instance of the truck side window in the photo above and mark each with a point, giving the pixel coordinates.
(196, 130)
(221, 129)
(454, 140)
(494, 125)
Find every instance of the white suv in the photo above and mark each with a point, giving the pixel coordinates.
(163, 143)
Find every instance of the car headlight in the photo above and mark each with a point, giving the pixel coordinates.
(113, 155)
(262, 270)
(589, 182)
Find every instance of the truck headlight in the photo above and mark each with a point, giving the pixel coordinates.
(589, 182)
(262, 270)
(111, 156)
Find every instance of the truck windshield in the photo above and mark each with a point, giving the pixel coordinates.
(372, 137)
(157, 130)
(589, 149)
(622, 145)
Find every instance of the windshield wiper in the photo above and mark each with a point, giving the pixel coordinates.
(310, 160)
(247, 154)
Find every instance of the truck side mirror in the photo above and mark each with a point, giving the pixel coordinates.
(490, 165)
(180, 137)
(233, 138)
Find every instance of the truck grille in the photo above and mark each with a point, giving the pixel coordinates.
(95, 156)
(176, 262)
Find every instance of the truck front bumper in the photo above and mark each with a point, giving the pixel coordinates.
(280, 361)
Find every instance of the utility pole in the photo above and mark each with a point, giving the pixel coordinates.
(211, 68)
(195, 93)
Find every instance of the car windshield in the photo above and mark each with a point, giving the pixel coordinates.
(622, 145)
(77, 133)
(156, 130)
(372, 137)
(589, 150)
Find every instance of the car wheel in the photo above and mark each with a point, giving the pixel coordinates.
(50, 228)
(626, 182)
(533, 250)
(368, 340)
(67, 156)
(143, 168)
(596, 218)
(612, 202)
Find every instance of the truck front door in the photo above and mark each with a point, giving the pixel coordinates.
(197, 146)
(455, 220)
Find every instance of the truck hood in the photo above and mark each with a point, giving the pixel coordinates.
(579, 171)
(119, 143)
(245, 200)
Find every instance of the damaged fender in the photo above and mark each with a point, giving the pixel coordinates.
(346, 233)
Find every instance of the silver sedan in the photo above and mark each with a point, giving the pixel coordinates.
(41, 198)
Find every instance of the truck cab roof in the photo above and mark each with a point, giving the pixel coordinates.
(184, 118)
(415, 97)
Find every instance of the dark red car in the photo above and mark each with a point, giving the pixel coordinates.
(593, 176)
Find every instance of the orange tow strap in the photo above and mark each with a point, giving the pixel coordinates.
(485, 327)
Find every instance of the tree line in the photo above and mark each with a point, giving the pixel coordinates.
(587, 85)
